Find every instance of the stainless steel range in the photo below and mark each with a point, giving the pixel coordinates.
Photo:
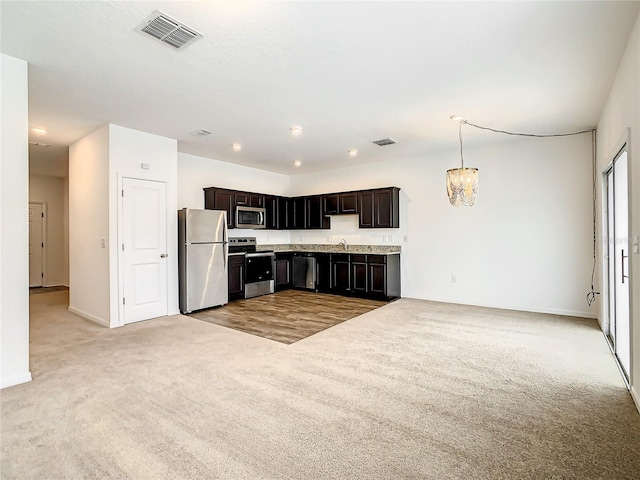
(259, 266)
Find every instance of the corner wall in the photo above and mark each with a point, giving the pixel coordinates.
(14, 224)
(196, 173)
(128, 150)
(525, 245)
(622, 112)
(88, 226)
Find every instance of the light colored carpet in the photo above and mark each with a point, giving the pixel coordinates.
(413, 389)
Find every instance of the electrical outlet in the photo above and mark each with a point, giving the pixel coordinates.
(103, 243)
(454, 279)
(636, 244)
(406, 238)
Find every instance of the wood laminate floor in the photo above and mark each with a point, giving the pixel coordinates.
(39, 290)
(287, 316)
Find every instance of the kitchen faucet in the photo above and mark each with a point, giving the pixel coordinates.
(343, 242)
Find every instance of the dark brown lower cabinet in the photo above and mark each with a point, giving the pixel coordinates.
(283, 271)
(323, 266)
(383, 276)
(236, 276)
(340, 273)
(377, 278)
(359, 274)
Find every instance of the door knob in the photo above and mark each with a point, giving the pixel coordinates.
(163, 255)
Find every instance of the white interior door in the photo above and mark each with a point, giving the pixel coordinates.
(143, 249)
(36, 244)
(618, 260)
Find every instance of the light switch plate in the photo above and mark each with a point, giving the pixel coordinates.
(636, 244)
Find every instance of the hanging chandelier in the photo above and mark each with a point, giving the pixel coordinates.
(462, 183)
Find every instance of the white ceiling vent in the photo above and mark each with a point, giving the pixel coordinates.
(200, 133)
(385, 141)
(168, 30)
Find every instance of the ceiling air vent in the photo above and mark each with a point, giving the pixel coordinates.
(385, 141)
(168, 30)
(200, 133)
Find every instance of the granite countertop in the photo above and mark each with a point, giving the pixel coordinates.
(333, 248)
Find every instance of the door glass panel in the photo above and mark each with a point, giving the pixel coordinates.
(621, 230)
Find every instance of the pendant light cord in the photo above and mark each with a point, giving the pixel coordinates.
(460, 136)
(591, 296)
(537, 135)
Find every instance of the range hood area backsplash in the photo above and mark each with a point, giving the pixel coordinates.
(343, 227)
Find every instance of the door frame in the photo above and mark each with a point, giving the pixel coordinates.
(624, 143)
(44, 239)
(120, 240)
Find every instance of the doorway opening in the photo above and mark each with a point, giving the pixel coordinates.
(37, 229)
(618, 328)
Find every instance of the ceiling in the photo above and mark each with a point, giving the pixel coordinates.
(348, 72)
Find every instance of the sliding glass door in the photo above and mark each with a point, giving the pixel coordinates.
(617, 211)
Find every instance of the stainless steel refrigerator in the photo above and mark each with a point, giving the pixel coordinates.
(202, 259)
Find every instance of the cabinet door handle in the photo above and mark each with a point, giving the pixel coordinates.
(163, 255)
(622, 265)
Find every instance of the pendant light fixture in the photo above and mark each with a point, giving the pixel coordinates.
(462, 183)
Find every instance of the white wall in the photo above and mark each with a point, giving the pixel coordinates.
(622, 112)
(128, 150)
(51, 191)
(525, 245)
(65, 228)
(196, 173)
(89, 294)
(97, 164)
(14, 225)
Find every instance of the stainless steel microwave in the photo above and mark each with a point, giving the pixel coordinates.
(250, 217)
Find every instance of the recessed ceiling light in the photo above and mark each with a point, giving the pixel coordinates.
(296, 130)
(297, 163)
(39, 131)
(237, 147)
(456, 118)
(353, 152)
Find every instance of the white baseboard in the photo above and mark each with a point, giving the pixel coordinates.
(520, 308)
(635, 397)
(15, 380)
(88, 316)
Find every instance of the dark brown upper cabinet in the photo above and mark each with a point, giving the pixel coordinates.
(349, 203)
(221, 199)
(296, 213)
(250, 199)
(314, 216)
(271, 209)
(340, 203)
(331, 204)
(377, 208)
